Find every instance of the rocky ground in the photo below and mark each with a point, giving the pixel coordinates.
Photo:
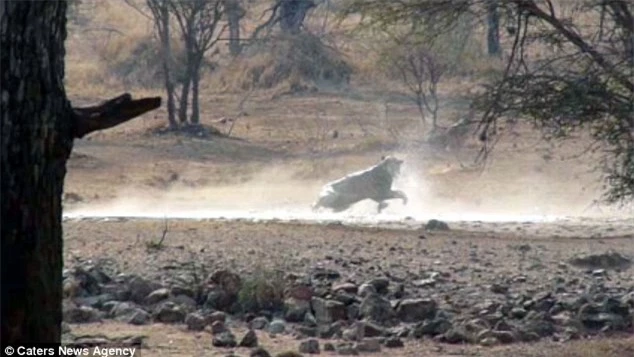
(259, 289)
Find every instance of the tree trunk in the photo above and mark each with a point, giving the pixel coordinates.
(234, 13)
(293, 13)
(182, 107)
(164, 34)
(37, 138)
(38, 128)
(493, 28)
(195, 118)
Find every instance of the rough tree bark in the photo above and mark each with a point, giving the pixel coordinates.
(38, 128)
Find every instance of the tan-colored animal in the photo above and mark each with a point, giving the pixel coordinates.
(374, 183)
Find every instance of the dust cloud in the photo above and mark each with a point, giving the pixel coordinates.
(439, 193)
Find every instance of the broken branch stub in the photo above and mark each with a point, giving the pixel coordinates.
(111, 113)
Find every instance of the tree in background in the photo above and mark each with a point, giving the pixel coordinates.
(200, 27)
(583, 80)
(38, 129)
(160, 10)
(235, 12)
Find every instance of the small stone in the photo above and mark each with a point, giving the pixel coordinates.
(250, 340)
(310, 346)
(436, 225)
(168, 312)
(376, 308)
(368, 345)
(394, 342)
(329, 347)
(224, 339)
(157, 296)
(218, 327)
(277, 326)
(414, 310)
(259, 323)
(328, 311)
(195, 322)
(259, 352)
(349, 288)
(499, 288)
(366, 289)
(489, 341)
(346, 349)
(380, 284)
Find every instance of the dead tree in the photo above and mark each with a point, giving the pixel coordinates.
(199, 22)
(38, 129)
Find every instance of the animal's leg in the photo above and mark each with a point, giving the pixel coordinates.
(382, 206)
(399, 194)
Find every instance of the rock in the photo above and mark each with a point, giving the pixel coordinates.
(139, 317)
(310, 346)
(437, 326)
(218, 327)
(168, 313)
(296, 309)
(195, 322)
(185, 302)
(157, 296)
(250, 340)
(394, 342)
(502, 336)
(140, 288)
(328, 311)
(259, 352)
(216, 316)
(609, 260)
(489, 341)
(348, 288)
(307, 331)
(96, 302)
(352, 311)
(415, 310)
(277, 326)
(366, 289)
(499, 288)
(310, 320)
(224, 339)
(370, 329)
(518, 312)
(259, 323)
(319, 273)
(80, 314)
(381, 285)
(455, 335)
(368, 345)
(346, 349)
(230, 282)
(329, 347)
(288, 354)
(376, 308)
(436, 225)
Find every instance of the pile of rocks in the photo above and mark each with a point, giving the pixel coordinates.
(359, 317)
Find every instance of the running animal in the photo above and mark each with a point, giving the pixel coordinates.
(374, 183)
